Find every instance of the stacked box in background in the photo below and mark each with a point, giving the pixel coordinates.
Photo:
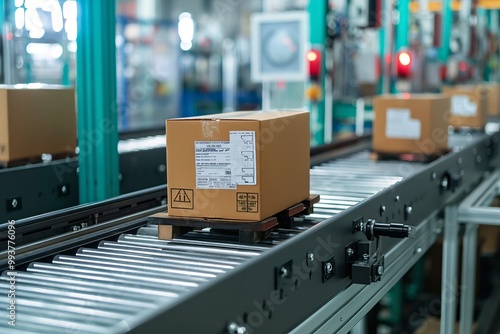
(34, 121)
(469, 105)
(411, 123)
(241, 166)
(493, 91)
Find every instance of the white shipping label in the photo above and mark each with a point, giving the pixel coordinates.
(243, 158)
(461, 105)
(213, 165)
(400, 125)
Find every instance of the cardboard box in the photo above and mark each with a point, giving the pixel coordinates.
(493, 91)
(34, 121)
(242, 165)
(469, 105)
(414, 124)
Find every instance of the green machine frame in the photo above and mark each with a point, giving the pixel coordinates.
(96, 101)
(317, 30)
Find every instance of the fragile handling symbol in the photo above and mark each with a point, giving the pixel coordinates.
(182, 198)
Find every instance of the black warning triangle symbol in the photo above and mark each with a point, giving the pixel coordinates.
(182, 197)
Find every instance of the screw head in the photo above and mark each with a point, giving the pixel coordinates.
(328, 267)
(396, 198)
(234, 328)
(409, 209)
(444, 183)
(283, 272)
(380, 270)
(433, 176)
(64, 189)
(14, 203)
(365, 257)
(349, 252)
(310, 257)
(382, 209)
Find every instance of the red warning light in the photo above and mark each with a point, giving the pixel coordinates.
(314, 61)
(462, 66)
(403, 64)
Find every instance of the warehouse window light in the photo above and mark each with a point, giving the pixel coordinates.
(70, 26)
(56, 14)
(72, 46)
(69, 10)
(33, 23)
(38, 48)
(19, 18)
(56, 50)
(33, 3)
(186, 30)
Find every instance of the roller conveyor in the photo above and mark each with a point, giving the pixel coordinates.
(120, 283)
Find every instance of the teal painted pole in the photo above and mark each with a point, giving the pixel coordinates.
(446, 20)
(403, 27)
(96, 101)
(2, 14)
(383, 64)
(317, 32)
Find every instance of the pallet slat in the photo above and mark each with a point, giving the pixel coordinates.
(170, 227)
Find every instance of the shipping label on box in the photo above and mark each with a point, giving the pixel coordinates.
(461, 105)
(243, 166)
(213, 165)
(400, 125)
(469, 105)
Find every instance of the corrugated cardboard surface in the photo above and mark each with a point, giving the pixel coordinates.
(36, 121)
(4, 127)
(477, 94)
(282, 161)
(432, 110)
(493, 90)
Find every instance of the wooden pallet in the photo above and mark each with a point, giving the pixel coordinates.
(34, 160)
(410, 157)
(468, 129)
(249, 232)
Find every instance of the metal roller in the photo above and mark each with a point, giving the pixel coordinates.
(102, 286)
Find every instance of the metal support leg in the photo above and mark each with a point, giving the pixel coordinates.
(449, 274)
(360, 327)
(468, 278)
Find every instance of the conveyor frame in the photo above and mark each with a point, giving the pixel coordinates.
(441, 184)
(252, 296)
